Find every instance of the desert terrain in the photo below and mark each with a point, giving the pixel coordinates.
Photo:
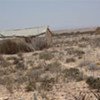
(68, 70)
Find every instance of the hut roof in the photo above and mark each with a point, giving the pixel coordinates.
(24, 32)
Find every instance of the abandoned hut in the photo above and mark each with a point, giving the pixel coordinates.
(25, 40)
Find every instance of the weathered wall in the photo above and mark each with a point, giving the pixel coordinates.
(48, 37)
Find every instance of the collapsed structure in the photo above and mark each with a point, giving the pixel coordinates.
(25, 40)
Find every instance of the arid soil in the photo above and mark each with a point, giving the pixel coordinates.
(57, 73)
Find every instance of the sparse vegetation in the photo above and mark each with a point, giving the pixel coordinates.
(54, 67)
(20, 65)
(47, 84)
(4, 62)
(96, 42)
(82, 45)
(76, 52)
(73, 74)
(46, 55)
(62, 71)
(31, 86)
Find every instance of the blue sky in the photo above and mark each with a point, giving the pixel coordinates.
(57, 14)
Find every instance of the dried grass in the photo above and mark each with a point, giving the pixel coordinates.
(12, 46)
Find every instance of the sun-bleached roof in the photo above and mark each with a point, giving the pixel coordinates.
(24, 32)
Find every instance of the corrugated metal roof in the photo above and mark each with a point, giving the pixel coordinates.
(24, 32)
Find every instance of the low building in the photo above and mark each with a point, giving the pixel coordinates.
(35, 38)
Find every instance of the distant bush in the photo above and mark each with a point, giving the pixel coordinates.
(54, 67)
(47, 84)
(46, 55)
(4, 62)
(73, 74)
(82, 45)
(96, 42)
(20, 65)
(93, 83)
(97, 31)
(76, 52)
(31, 86)
(19, 61)
(11, 58)
(79, 52)
(20, 55)
(68, 60)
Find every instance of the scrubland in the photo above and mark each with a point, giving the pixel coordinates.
(68, 70)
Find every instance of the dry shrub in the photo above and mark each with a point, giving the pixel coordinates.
(38, 79)
(46, 55)
(12, 46)
(54, 67)
(39, 43)
(47, 84)
(8, 82)
(11, 58)
(35, 54)
(15, 61)
(73, 74)
(31, 86)
(34, 74)
(35, 81)
(69, 60)
(97, 31)
(3, 62)
(79, 52)
(96, 42)
(9, 85)
(93, 82)
(84, 39)
(82, 45)
(76, 52)
(20, 65)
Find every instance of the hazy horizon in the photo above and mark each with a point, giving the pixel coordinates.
(58, 14)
